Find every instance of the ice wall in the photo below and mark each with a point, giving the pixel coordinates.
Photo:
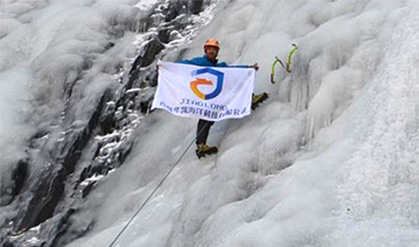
(330, 160)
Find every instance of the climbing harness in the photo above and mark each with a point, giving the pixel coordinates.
(287, 67)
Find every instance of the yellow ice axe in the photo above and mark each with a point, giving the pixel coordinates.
(287, 67)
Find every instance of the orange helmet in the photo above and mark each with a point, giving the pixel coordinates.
(213, 43)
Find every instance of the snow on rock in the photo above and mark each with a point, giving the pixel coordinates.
(277, 177)
(330, 160)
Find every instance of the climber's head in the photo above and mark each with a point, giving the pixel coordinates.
(211, 48)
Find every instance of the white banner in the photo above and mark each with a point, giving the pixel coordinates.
(209, 93)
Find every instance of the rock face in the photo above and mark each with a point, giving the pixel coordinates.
(18, 178)
(93, 145)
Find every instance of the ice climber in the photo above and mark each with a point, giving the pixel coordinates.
(211, 49)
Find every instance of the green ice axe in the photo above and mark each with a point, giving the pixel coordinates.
(290, 56)
(277, 60)
(287, 67)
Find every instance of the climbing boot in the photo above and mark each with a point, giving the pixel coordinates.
(203, 150)
(257, 99)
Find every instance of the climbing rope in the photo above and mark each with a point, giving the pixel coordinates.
(287, 67)
(155, 189)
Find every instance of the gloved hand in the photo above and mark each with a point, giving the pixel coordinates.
(255, 66)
